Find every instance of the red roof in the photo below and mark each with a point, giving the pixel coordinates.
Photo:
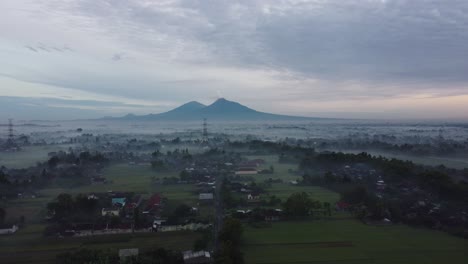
(343, 205)
(154, 201)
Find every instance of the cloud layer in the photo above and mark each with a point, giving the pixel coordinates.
(290, 56)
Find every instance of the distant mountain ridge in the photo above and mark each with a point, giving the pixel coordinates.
(221, 109)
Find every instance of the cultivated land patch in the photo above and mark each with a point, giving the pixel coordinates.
(29, 246)
(350, 241)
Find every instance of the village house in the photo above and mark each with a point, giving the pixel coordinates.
(197, 257)
(205, 197)
(7, 230)
(98, 180)
(253, 196)
(120, 201)
(154, 204)
(112, 211)
(246, 171)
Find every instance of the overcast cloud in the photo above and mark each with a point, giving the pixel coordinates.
(353, 58)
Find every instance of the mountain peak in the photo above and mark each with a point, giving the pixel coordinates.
(221, 109)
(222, 99)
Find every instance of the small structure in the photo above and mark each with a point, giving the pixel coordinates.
(113, 211)
(246, 171)
(198, 257)
(154, 203)
(272, 215)
(381, 185)
(253, 196)
(93, 197)
(157, 224)
(120, 201)
(98, 180)
(205, 197)
(8, 230)
(342, 206)
(128, 252)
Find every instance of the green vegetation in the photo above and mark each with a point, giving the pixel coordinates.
(29, 246)
(283, 191)
(230, 243)
(281, 171)
(451, 162)
(350, 241)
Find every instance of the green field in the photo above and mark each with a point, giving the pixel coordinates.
(29, 246)
(121, 177)
(28, 156)
(281, 170)
(350, 241)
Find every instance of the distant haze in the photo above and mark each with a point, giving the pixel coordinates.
(378, 59)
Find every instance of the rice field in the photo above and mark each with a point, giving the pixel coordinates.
(350, 241)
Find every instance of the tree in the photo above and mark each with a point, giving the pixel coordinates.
(156, 154)
(184, 175)
(53, 162)
(183, 210)
(163, 256)
(3, 178)
(329, 177)
(62, 206)
(230, 239)
(2, 215)
(88, 256)
(136, 216)
(356, 195)
(298, 204)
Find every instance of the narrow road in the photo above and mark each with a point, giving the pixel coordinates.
(218, 212)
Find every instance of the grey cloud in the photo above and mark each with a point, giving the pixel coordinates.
(392, 41)
(117, 56)
(303, 49)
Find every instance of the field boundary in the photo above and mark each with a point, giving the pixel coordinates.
(314, 244)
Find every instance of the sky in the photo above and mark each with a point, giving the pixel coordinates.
(379, 59)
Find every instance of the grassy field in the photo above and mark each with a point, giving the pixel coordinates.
(349, 241)
(121, 177)
(29, 246)
(281, 170)
(28, 156)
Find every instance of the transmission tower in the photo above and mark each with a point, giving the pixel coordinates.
(11, 136)
(205, 130)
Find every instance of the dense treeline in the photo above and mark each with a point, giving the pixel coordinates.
(437, 180)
